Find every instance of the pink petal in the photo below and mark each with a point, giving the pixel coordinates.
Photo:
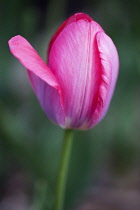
(26, 54)
(72, 59)
(109, 65)
(42, 79)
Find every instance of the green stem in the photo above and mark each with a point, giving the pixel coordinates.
(63, 170)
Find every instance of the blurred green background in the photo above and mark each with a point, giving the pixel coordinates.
(106, 157)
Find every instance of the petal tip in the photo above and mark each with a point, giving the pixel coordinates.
(14, 41)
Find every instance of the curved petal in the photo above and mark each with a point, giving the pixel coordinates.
(72, 59)
(42, 79)
(26, 54)
(109, 65)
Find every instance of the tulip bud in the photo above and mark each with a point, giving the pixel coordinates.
(75, 87)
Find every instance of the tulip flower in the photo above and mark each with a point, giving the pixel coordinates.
(76, 85)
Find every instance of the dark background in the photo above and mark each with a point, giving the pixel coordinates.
(105, 164)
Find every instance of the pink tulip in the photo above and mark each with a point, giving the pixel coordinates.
(76, 85)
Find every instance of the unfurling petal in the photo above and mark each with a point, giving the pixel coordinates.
(26, 54)
(41, 77)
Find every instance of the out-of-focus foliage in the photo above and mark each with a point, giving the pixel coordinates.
(107, 155)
